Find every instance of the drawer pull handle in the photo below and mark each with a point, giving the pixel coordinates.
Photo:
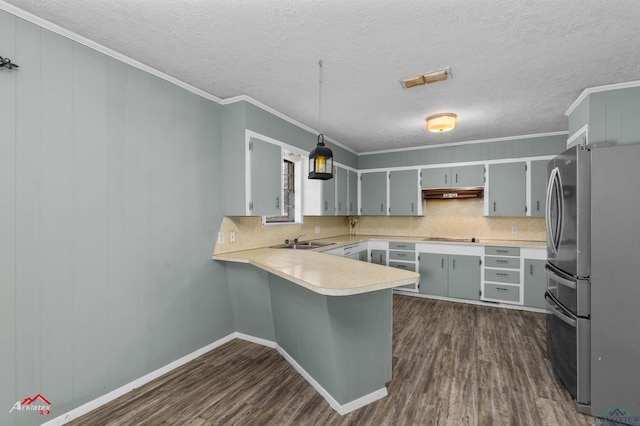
(501, 274)
(502, 261)
(501, 289)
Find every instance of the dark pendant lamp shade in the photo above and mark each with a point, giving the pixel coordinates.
(321, 161)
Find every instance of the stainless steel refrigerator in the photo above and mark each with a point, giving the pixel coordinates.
(593, 284)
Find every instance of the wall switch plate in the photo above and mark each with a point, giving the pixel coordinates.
(232, 236)
(317, 229)
(220, 237)
(514, 230)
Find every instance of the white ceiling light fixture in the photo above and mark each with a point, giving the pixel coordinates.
(427, 78)
(441, 122)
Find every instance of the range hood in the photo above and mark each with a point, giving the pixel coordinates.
(452, 193)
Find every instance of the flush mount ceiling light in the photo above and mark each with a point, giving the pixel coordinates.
(441, 122)
(428, 78)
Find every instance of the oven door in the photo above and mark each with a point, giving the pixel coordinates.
(568, 347)
(571, 292)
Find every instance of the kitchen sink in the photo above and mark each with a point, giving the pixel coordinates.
(302, 245)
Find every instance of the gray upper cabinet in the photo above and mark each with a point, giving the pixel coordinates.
(404, 193)
(373, 187)
(507, 189)
(342, 192)
(462, 176)
(538, 187)
(436, 178)
(329, 196)
(447, 177)
(266, 178)
(352, 193)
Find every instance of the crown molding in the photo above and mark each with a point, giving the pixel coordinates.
(596, 89)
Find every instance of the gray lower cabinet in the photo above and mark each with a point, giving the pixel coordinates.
(507, 189)
(535, 283)
(464, 277)
(404, 193)
(538, 187)
(352, 193)
(434, 274)
(373, 190)
(266, 178)
(450, 275)
(362, 256)
(379, 256)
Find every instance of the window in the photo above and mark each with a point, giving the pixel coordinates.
(288, 194)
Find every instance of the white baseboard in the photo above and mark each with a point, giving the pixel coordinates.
(116, 393)
(342, 409)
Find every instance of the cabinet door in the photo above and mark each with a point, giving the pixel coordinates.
(329, 197)
(462, 176)
(352, 193)
(403, 193)
(379, 256)
(538, 187)
(266, 178)
(435, 178)
(507, 189)
(362, 256)
(434, 274)
(535, 283)
(341, 192)
(464, 277)
(373, 187)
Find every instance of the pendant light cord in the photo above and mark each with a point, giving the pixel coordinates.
(320, 117)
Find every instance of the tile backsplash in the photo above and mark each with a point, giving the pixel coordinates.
(442, 218)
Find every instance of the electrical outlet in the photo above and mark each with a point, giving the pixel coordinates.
(317, 229)
(232, 236)
(221, 237)
(514, 230)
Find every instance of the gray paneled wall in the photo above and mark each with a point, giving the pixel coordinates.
(110, 189)
(495, 150)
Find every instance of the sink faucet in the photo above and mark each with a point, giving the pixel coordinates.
(294, 241)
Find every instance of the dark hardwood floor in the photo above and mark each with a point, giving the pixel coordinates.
(453, 364)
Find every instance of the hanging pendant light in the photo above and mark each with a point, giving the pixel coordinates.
(321, 161)
(321, 158)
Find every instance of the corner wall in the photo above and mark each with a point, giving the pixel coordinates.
(110, 189)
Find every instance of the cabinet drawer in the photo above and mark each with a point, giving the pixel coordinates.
(502, 251)
(402, 246)
(407, 266)
(507, 293)
(502, 276)
(502, 262)
(409, 256)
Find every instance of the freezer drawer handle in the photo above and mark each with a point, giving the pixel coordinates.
(565, 282)
(555, 309)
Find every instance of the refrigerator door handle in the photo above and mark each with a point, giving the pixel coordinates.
(556, 310)
(554, 229)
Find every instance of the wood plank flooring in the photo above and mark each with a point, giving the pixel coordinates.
(453, 364)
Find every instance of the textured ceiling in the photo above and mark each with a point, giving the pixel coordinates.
(516, 66)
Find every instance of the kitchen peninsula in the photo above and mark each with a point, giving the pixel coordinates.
(330, 317)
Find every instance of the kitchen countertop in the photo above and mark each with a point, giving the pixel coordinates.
(338, 276)
(322, 273)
